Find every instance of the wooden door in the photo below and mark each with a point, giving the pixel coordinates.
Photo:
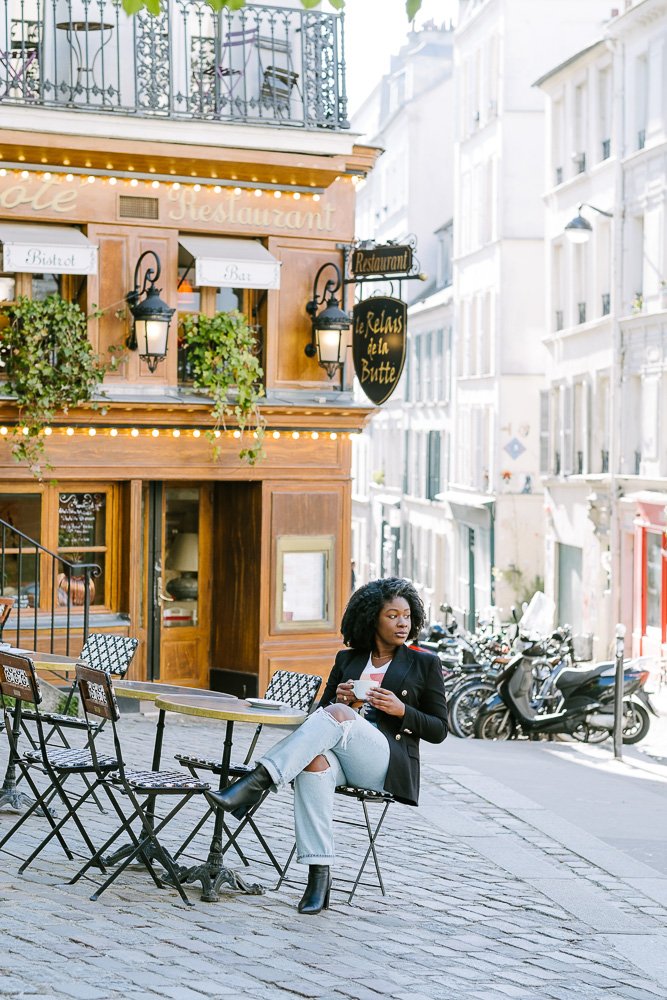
(179, 574)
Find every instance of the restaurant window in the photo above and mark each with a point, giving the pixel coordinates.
(74, 523)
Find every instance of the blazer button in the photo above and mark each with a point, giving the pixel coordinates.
(404, 694)
(398, 736)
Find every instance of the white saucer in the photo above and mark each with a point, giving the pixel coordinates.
(266, 703)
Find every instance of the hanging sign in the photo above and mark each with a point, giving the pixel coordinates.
(378, 345)
(381, 260)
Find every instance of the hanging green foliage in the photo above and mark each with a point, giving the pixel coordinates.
(220, 356)
(412, 7)
(50, 367)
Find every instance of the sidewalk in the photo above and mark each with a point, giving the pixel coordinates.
(534, 871)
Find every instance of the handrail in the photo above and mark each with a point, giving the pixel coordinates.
(59, 586)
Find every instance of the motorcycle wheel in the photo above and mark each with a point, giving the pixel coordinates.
(636, 722)
(497, 725)
(465, 705)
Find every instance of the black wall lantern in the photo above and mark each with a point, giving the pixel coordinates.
(152, 316)
(328, 326)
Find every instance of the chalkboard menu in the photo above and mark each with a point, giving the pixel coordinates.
(81, 519)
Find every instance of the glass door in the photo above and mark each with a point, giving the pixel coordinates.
(179, 564)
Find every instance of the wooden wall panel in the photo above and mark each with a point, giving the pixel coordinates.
(289, 328)
(120, 249)
(237, 586)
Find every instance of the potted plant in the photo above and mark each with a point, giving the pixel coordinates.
(50, 366)
(220, 358)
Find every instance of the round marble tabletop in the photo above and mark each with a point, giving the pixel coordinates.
(230, 709)
(152, 690)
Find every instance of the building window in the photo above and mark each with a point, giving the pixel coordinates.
(545, 431)
(653, 580)
(433, 482)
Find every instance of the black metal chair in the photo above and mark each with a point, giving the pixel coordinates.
(103, 650)
(18, 681)
(293, 689)
(128, 785)
(364, 796)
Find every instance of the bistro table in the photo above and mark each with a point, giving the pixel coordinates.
(213, 873)
(10, 796)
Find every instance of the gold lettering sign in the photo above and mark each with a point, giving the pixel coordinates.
(48, 197)
(186, 206)
(382, 260)
(378, 345)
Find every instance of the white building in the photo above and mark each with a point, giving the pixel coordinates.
(494, 494)
(401, 459)
(604, 448)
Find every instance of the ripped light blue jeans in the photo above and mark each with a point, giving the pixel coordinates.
(358, 754)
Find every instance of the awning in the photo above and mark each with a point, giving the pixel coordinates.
(231, 263)
(46, 249)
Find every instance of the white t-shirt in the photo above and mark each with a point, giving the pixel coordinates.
(376, 674)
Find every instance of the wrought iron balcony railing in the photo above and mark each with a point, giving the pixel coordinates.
(263, 64)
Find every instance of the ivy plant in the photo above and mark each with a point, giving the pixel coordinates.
(219, 354)
(50, 366)
(412, 7)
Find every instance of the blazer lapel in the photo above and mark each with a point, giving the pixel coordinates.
(398, 669)
(355, 666)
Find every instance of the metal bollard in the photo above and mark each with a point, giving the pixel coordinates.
(618, 692)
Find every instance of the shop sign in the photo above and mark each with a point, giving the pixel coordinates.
(378, 345)
(381, 260)
(25, 257)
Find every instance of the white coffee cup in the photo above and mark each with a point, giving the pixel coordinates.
(361, 688)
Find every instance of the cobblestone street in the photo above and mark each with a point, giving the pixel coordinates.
(490, 894)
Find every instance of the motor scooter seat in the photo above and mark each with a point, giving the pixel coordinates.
(573, 676)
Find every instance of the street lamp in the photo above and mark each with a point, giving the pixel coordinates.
(579, 229)
(328, 326)
(151, 316)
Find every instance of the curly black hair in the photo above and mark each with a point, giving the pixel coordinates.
(362, 611)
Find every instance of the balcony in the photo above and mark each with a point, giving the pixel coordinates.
(264, 64)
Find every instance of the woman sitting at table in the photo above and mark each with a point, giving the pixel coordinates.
(370, 744)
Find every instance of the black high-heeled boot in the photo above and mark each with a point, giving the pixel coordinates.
(318, 890)
(244, 794)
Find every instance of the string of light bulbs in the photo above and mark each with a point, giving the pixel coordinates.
(153, 181)
(181, 432)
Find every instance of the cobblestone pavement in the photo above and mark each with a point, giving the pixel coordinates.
(485, 899)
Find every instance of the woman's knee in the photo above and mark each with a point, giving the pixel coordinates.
(319, 763)
(341, 713)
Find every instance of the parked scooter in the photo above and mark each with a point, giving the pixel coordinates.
(580, 702)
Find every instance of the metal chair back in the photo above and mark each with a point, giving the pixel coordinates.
(112, 653)
(18, 679)
(295, 690)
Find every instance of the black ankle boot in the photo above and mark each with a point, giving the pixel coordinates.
(316, 896)
(243, 794)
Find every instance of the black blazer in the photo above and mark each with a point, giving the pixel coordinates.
(416, 677)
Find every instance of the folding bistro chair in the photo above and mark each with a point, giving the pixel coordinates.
(103, 650)
(18, 680)
(293, 689)
(136, 788)
(364, 796)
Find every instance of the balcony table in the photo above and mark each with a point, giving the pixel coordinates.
(213, 872)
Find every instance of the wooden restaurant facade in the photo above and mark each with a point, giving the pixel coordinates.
(225, 571)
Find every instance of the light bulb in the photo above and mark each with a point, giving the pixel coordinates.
(48, 432)
(92, 432)
(197, 187)
(134, 432)
(258, 192)
(315, 435)
(155, 184)
(155, 432)
(91, 179)
(237, 434)
(196, 433)
(176, 433)
(69, 177)
(333, 436)
(277, 194)
(296, 435)
(276, 435)
(113, 432)
(296, 195)
(3, 431)
(69, 431)
(112, 181)
(175, 186)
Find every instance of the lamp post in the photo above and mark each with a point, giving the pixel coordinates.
(328, 326)
(151, 316)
